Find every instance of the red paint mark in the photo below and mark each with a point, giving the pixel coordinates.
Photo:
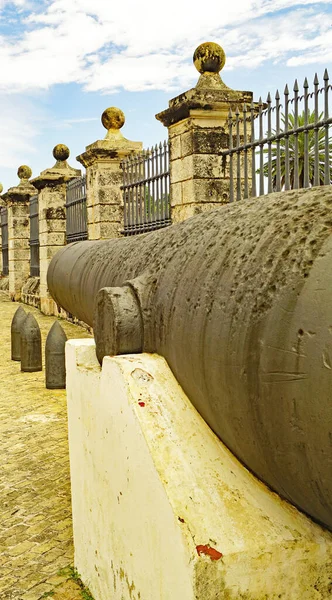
(141, 403)
(208, 551)
(181, 520)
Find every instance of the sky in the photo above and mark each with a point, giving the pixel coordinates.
(64, 61)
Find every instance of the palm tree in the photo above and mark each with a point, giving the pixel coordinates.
(301, 155)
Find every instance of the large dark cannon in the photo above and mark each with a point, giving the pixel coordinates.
(238, 300)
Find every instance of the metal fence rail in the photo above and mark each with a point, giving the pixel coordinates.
(286, 145)
(146, 190)
(4, 240)
(34, 237)
(76, 214)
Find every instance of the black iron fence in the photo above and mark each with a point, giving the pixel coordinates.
(280, 147)
(34, 237)
(146, 190)
(76, 214)
(4, 240)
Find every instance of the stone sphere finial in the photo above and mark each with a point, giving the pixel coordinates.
(113, 118)
(1, 188)
(24, 172)
(209, 58)
(61, 152)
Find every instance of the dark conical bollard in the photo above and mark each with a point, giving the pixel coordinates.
(55, 367)
(16, 325)
(31, 349)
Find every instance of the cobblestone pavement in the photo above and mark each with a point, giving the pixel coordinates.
(35, 510)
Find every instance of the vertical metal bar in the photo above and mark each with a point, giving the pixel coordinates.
(166, 180)
(124, 193)
(306, 147)
(157, 183)
(277, 183)
(295, 182)
(152, 199)
(316, 136)
(238, 155)
(161, 179)
(253, 153)
(287, 174)
(142, 188)
(148, 186)
(327, 178)
(269, 144)
(245, 141)
(230, 146)
(132, 192)
(137, 191)
(261, 146)
(141, 203)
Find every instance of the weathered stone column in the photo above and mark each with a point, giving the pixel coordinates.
(102, 161)
(198, 132)
(17, 200)
(51, 184)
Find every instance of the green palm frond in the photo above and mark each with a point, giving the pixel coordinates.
(313, 138)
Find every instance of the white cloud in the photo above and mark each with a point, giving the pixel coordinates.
(135, 46)
(107, 46)
(20, 123)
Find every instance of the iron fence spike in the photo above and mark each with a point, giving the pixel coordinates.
(286, 91)
(268, 99)
(326, 75)
(316, 81)
(277, 96)
(296, 86)
(305, 84)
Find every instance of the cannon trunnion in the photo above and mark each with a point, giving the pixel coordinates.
(238, 301)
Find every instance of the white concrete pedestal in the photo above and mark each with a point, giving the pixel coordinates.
(161, 509)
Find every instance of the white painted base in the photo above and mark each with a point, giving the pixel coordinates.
(161, 509)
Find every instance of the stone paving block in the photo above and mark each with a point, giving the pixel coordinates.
(35, 503)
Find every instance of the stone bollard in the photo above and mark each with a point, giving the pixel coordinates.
(17, 322)
(55, 368)
(31, 350)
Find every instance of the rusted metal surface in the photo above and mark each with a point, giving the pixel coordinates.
(238, 302)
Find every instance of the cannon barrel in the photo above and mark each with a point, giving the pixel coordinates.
(238, 301)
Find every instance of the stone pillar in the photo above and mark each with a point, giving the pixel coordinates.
(17, 200)
(102, 161)
(51, 184)
(198, 132)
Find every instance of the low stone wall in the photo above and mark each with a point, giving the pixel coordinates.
(161, 508)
